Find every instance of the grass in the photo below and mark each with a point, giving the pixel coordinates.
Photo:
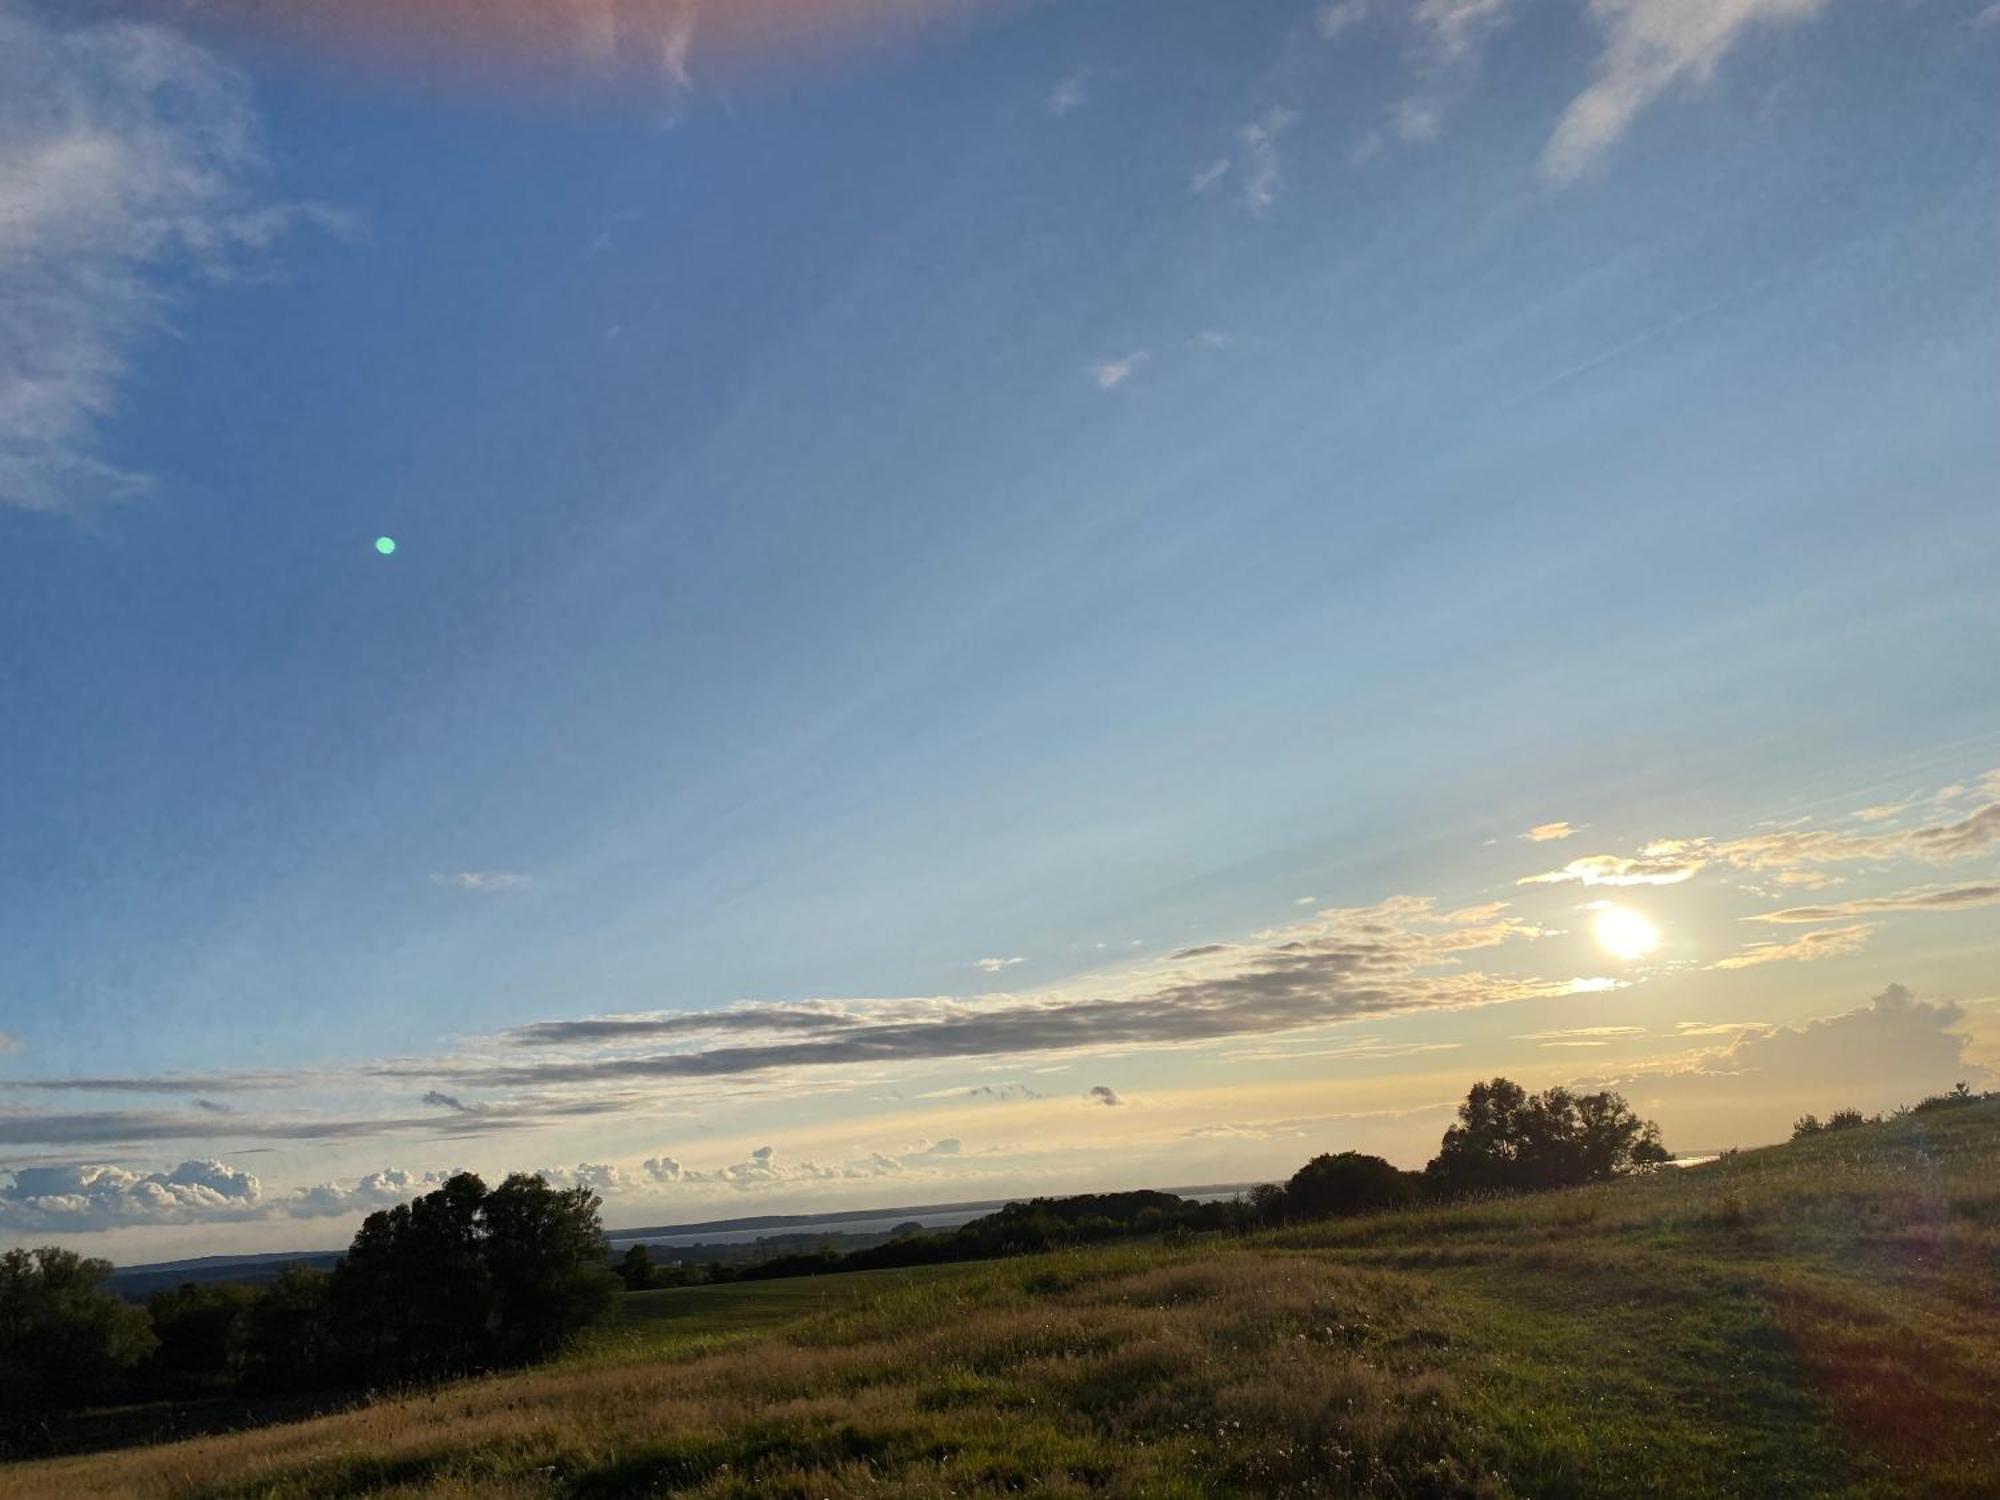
(1814, 1320)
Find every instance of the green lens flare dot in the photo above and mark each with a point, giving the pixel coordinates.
(385, 545)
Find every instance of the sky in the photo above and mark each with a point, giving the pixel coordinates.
(985, 597)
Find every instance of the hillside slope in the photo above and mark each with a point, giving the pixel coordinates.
(1821, 1319)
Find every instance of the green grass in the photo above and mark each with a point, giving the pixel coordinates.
(1817, 1320)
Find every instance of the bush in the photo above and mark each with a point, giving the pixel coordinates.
(1350, 1183)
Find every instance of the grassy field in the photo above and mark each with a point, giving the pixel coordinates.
(1813, 1320)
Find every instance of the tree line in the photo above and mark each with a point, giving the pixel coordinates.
(469, 1278)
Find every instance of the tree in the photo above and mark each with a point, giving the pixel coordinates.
(1350, 1183)
(635, 1269)
(64, 1340)
(1267, 1204)
(288, 1341)
(1507, 1139)
(463, 1278)
(544, 1253)
(411, 1298)
(201, 1329)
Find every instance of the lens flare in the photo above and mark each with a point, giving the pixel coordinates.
(1623, 933)
(385, 545)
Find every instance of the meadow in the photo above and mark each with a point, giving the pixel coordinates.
(1816, 1319)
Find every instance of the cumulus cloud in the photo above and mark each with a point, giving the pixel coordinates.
(1826, 942)
(128, 158)
(599, 1177)
(1543, 833)
(90, 1197)
(1929, 898)
(1650, 47)
(1104, 1094)
(1892, 1050)
(383, 1189)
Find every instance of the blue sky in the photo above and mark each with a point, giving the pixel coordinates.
(929, 527)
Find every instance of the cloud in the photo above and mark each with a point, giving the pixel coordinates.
(1397, 957)
(742, 1018)
(1578, 1033)
(127, 162)
(1201, 952)
(1460, 27)
(1260, 156)
(664, 1169)
(484, 881)
(1881, 812)
(1651, 46)
(1113, 373)
(91, 1197)
(1542, 833)
(1827, 942)
(599, 1177)
(210, 1106)
(1069, 94)
(1613, 869)
(1210, 175)
(995, 965)
(997, 1091)
(383, 1189)
(1720, 1028)
(8, 1043)
(1896, 1043)
(1338, 18)
(1791, 848)
(1928, 898)
(439, 1100)
(1104, 1094)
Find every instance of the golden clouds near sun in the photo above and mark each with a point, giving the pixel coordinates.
(1624, 933)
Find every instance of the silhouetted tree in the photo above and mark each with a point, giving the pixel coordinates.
(288, 1341)
(1350, 1183)
(1509, 1139)
(201, 1330)
(544, 1254)
(635, 1268)
(64, 1339)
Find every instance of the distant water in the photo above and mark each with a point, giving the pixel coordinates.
(930, 1219)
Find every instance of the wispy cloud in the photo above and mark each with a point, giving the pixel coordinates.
(1543, 833)
(1339, 17)
(1261, 174)
(1070, 94)
(1664, 868)
(1104, 1094)
(1113, 373)
(1928, 898)
(995, 965)
(129, 159)
(1210, 175)
(486, 882)
(1827, 942)
(1650, 47)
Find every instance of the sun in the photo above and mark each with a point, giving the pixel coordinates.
(1623, 933)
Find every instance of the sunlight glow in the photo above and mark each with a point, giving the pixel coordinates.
(1624, 933)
